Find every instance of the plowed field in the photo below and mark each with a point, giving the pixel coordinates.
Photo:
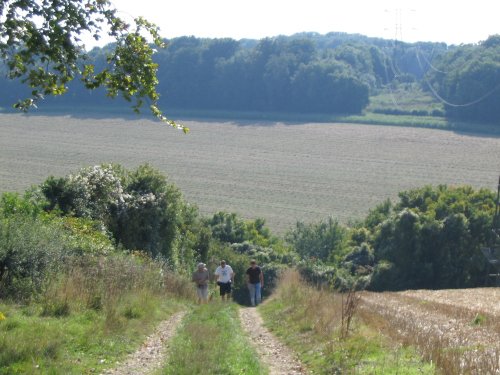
(280, 172)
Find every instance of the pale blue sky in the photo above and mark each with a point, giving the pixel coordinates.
(422, 20)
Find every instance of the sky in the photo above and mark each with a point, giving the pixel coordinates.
(462, 22)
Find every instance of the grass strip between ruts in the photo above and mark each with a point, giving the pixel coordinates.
(211, 341)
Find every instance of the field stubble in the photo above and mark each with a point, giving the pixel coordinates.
(280, 172)
(458, 330)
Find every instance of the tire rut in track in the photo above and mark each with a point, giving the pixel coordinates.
(152, 353)
(279, 358)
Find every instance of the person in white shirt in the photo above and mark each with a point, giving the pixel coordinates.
(225, 277)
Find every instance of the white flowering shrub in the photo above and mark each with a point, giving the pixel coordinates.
(96, 190)
(139, 208)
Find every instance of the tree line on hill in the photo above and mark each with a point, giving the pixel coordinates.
(334, 73)
(431, 238)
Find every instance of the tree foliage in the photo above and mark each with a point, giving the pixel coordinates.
(468, 80)
(325, 240)
(335, 73)
(302, 73)
(40, 42)
(140, 208)
(430, 239)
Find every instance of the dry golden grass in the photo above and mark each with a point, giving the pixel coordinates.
(317, 310)
(280, 172)
(459, 330)
(122, 286)
(315, 324)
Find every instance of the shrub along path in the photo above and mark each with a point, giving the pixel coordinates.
(279, 359)
(152, 354)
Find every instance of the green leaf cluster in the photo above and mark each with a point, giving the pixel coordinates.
(34, 244)
(467, 79)
(430, 239)
(139, 208)
(41, 45)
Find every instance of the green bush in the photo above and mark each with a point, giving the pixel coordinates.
(229, 228)
(35, 245)
(139, 208)
(317, 273)
(325, 240)
(433, 239)
(30, 249)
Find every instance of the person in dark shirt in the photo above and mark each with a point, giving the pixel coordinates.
(255, 282)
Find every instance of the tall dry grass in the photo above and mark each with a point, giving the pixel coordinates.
(122, 286)
(94, 311)
(326, 313)
(325, 329)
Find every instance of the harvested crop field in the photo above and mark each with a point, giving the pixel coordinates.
(280, 172)
(477, 301)
(459, 330)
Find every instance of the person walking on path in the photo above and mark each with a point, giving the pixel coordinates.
(255, 282)
(225, 277)
(201, 277)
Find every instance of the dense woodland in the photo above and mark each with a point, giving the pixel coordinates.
(336, 73)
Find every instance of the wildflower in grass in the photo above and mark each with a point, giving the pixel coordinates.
(2, 316)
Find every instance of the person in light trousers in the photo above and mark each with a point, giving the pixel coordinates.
(255, 282)
(201, 278)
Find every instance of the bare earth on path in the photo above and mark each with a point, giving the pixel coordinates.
(152, 354)
(279, 359)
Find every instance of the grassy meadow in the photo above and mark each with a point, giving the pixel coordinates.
(282, 172)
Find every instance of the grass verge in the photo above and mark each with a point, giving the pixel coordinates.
(81, 342)
(91, 314)
(211, 341)
(310, 322)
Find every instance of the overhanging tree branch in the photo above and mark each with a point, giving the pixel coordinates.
(41, 45)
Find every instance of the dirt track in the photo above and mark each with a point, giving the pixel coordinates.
(464, 323)
(152, 354)
(279, 359)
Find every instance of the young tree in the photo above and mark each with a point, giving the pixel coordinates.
(41, 45)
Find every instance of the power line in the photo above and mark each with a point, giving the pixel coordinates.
(398, 33)
(443, 100)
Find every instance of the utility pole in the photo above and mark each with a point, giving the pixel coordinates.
(492, 253)
(496, 218)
